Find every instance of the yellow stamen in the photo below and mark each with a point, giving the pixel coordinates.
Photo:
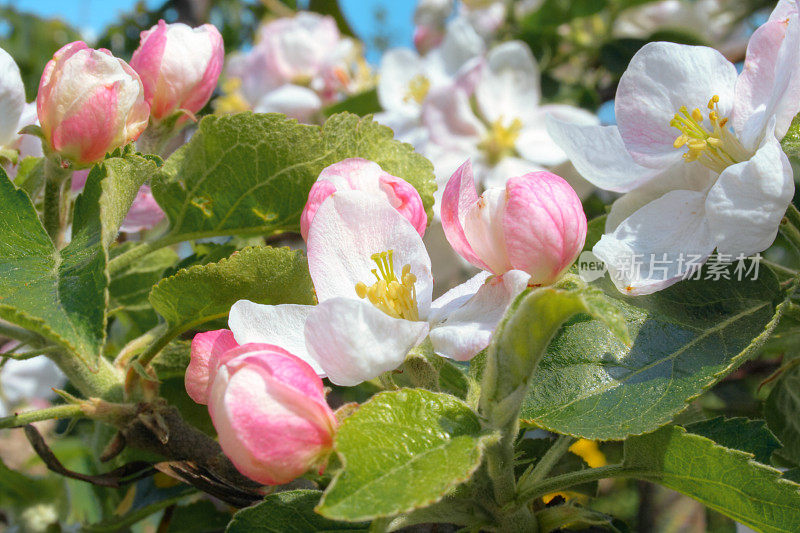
(500, 140)
(717, 147)
(418, 88)
(395, 297)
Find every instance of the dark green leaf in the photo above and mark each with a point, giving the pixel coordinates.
(782, 411)
(751, 436)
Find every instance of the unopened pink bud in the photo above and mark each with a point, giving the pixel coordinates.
(179, 66)
(144, 213)
(89, 103)
(427, 38)
(205, 347)
(535, 224)
(358, 174)
(270, 413)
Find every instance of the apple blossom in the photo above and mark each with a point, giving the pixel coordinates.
(179, 66)
(89, 103)
(429, 23)
(534, 224)
(507, 137)
(372, 277)
(407, 79)
(362, 175)
(15, 114)
(720, 183)
(267, 406)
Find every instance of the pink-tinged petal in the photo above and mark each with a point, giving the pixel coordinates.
(769, 85)
(643, 257)
(270, 414)
(205, 347)
(746, 204)
(508, 87)
(208, 82)
(545, 226)
(459, 196)
(450, 120)
(144, 214)
(784, 10)
(348, 228)
(147, 59)
(599, 155)
(484, 229)
(367, 176)
(355, 342)
(81, 136)
(468, 328)
(281, 325)
(660, 79)
(427, 38)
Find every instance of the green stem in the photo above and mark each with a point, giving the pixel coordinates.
(53, 217)
(58, 411)
(104, 381)
(155, 348)
(547, 462)
(22, 335)
(790, 226)
(559, 483)
(137, 345)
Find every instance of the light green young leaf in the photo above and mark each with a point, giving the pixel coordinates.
(205, 292)
(782, 411)
(685, 338)
(288, 512)
(402, 451)
(728, 481)
(251, 173)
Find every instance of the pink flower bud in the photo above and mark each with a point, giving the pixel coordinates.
(362, 175)
(426, 38)
(89, 103)
(144, 213)
(535, 224)
(179, 66)
(267, 406)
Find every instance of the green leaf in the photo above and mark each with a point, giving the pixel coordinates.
(131, 287)
(173, 360)
(198, 517)
(251, 173)
(751, 436)
(782, 412)
(60, 295)
(791, 141)
(288, 512)
(571, 516)
(401, 451)
(360, 104)
(30, 175)
(725, 480)
(205, 292)
(686, 338)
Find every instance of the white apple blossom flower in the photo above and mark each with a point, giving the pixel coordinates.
(694, 179)
(407, 79)
(372, 276)
(507, 136)
(15, 114)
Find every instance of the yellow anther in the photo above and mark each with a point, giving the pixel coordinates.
(707, 140)
(418, 88)
(395, 297)
(500, 140)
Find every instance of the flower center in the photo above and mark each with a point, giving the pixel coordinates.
(500, 139)
(395, 297)
(717, 148)
(418, 88)
(231, 100)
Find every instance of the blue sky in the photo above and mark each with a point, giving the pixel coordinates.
(95, 15)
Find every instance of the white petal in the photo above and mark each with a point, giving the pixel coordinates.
(398, 67)
(348, 228)
(599, 155)
(12, 98)
(749, 199)
(535, 143)
(660, 79)
(448, 115)
(354, 341)
(508, 87)
(484, 229)
(460, 44)
(653, 248)
(688, 177)
(470, 321)
(456, 297)
(291, 100)
(280, 325)
(507, 168)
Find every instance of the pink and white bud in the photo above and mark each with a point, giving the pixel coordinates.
(267, 406)
(358, 174)
(426, 38)
(179, 66)
(535, 224)
(145, 213)
(89, 103)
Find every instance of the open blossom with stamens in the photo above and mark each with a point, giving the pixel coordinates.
(507, 136)
(697, 151)
(362, 175)
(372, 276)
(89, 103)
(267, 406)
(535, 224)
